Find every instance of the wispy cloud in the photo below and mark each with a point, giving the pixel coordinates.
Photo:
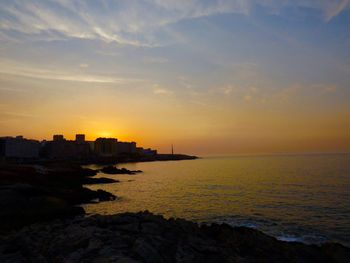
(32, 71)
(75, 20)
(333, 8)
(227, 90)
(248, 93)
(158, 90)
(108, 53)
(248, 98)
(324, 88)
(281, 95)
(155, 60)
(184, 82)
(84, 65)
(14, 115)
(298, 90)
(126, 22)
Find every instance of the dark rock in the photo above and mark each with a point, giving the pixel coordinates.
(28, 195)
(151, 228)
(24, 204)
(114, 170)
(145, 251)
(105, 196)
(100, 180)
(144, 237)
(131, 228)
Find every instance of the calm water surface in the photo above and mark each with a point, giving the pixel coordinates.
(302, 198)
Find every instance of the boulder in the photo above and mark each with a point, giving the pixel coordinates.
(114, 170)
(22, 204)
(144, 237)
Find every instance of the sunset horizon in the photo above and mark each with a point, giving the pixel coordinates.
(225, 77)
(175, 131)
(205, 150)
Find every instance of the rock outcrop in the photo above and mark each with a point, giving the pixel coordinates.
(144, 237)
(28, 196)
(114, 170)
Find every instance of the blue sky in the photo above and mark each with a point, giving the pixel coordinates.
(185, 71)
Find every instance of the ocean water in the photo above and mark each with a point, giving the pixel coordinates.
(294, 198)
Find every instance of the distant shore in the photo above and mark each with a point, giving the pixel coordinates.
(159, 157)
(135, 159)
(106, 160)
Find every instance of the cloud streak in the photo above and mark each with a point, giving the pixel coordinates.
(126, 22)
(334, 8)
(30, 71)
(157, 90)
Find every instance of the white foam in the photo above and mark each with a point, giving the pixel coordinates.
(290, 238)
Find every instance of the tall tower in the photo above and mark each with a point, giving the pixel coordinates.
(172, 149)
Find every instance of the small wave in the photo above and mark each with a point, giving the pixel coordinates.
(290, 238)
(250, 225)
(283, 232)
(306, 239)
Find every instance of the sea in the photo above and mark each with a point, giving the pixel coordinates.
(302, 198)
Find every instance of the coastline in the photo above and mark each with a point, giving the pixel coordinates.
(144, 237)
(121, 159)
(138, 159)
(42, 220)
(43, 190)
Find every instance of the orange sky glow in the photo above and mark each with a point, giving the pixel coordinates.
(212, 78)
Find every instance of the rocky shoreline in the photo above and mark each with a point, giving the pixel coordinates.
(110, 169)
(144, 237)
(42, 222)
(29, 194)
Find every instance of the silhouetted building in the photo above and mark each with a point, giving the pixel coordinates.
(19, 147)
(80, 138)
(106, 147)
(146, 152)
(126, 147)
(60, 148)
(92, 145)
(58, 138)
(83, 148)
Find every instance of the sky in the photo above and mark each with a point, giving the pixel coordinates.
(210, 76)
